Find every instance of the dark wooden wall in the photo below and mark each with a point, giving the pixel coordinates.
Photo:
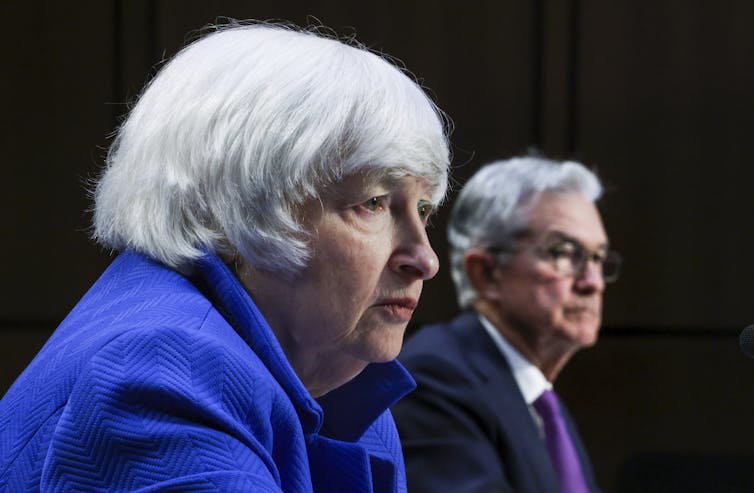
(657, 96)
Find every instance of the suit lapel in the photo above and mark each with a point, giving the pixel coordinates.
(526, 449)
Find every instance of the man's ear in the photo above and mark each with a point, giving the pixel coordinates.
(482, 271)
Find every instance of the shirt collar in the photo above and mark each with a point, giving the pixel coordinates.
(530, 379)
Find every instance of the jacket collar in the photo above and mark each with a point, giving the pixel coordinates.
(351, 408)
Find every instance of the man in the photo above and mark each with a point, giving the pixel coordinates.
(530, 259)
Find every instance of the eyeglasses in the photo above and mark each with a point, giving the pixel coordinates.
(568, 257)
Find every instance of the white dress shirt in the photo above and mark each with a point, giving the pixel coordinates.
(530, 379)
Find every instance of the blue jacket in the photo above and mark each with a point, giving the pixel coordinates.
(158, 382)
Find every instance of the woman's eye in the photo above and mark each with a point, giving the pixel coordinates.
(425, 210)
(374, 204)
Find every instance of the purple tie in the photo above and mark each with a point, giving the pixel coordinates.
(559, 444)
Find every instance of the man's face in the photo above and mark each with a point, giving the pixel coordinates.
(536, 298)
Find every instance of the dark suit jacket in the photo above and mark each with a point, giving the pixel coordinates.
(466, 428)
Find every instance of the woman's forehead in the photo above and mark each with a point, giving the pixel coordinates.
(387, 178)
(390, 172)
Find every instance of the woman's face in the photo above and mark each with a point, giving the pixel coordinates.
(350, 306)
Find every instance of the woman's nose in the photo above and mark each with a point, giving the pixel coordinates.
(415, 257)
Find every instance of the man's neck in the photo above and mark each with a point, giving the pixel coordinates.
(549, 354)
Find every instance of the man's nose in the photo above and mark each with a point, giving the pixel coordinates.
(589, 278)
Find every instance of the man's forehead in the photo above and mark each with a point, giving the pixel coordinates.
(568, 214)
(555, 235)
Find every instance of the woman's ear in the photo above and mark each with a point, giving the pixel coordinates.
(482, 269)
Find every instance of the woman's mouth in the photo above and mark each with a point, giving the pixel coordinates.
(398, 309)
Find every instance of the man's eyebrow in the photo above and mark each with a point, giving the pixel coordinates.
(566, 237)
(557, 234)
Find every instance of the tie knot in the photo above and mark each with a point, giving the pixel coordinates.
(547, 404)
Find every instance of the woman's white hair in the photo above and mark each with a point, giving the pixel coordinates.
(487, 211)
(242, 127)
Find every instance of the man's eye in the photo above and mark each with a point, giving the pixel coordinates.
(598, 257)
(565, 249)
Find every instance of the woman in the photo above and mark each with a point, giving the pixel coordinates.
(269, 193)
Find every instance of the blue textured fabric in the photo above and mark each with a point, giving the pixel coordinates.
(158, 382)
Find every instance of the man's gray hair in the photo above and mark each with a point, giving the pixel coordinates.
(487, 214)
(242, 127)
